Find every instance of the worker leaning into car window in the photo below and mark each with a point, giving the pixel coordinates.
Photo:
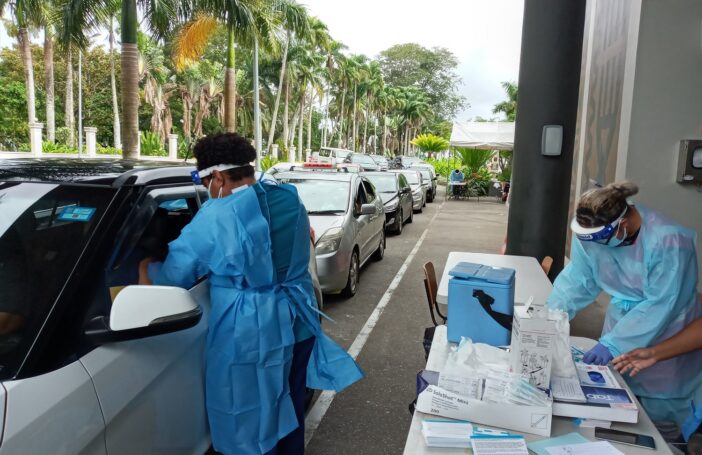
(648, 265)
(265, 342)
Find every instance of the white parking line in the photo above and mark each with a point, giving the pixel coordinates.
(316, 414)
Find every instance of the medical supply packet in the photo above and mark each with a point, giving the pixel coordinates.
(447, 433)
(606, 398)
(533, 344)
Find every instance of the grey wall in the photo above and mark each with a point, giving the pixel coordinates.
(667, 107)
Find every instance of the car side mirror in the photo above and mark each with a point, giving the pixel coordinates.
(145, 311)
(406, 190)
(368, 209)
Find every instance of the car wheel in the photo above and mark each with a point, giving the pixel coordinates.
(380, 252)
(411, 217)
(352, 280)
(399, 222)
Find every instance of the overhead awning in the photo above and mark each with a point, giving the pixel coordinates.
(483, 135)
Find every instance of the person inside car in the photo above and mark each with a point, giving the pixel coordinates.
(252, 241)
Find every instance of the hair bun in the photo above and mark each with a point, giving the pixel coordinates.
(624, 189)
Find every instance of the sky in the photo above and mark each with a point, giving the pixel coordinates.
(485, 36)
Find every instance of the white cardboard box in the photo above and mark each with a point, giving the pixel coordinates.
(532, 344)
(527, 419)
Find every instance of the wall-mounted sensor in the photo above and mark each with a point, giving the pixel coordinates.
(690, 161)
(551, 140)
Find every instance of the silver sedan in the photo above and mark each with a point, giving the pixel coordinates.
(349, 221)
(419, 191)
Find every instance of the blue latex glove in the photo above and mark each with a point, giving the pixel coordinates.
(599, 355)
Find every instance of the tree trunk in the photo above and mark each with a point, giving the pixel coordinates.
(230, 84)
(300, 152)
(354, 135)
(49, 84)
(286, 114)
(293, 130)
(257, 108)
(26, 52)
(274, 116)
(116, 129)
(69, 113)
(130, 81)
(365, 128)
(309, 122)
(385, 131)
(341, 115)
(80, 102)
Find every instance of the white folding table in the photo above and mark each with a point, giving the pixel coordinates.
(530, 281)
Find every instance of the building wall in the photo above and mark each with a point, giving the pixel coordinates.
(667, 107)
(641, 93)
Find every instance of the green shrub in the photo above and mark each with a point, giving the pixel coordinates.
(50, 147)
(505, 175)
(107, 150)
(268, 162)
(185, 146)
(62, 134)
(151, 145)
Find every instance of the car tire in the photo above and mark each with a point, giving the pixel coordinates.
(399, 222)
(352, 280)
(411, 217)
(380, 252)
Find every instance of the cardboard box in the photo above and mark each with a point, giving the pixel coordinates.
(527, 419)
(533, 341)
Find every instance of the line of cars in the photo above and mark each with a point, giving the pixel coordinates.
(353, 200)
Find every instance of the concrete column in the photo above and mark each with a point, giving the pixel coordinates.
(291, 154)
(35, 129)
(91, 141)
(274, 151)
(549, 82)
(138, 144)
(173, 147)
(308, 153)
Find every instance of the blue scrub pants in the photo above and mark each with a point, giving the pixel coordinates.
(294, 443)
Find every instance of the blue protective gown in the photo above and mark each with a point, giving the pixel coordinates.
(257, 316)
(653, 285)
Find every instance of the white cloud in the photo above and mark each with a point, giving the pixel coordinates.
(485, 35)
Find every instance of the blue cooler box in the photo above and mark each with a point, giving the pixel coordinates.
(480, 303)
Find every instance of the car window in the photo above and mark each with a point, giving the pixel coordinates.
(325, 153)
(44, 230)
(322, 197)
(413, 177)
(363, 159)
(386, 183)
(370, 191)
(360, 197)
(403, 181)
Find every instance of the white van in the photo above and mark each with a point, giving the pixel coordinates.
(331, 155)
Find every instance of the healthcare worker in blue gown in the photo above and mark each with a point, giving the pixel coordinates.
(252, 239)
(648, 265)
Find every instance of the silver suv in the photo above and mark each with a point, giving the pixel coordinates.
(349, 222)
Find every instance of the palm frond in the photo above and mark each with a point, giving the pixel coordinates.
(191, 41)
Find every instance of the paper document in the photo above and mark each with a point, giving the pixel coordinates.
(504, 445)
(462, 385)
(447, 433)
(567, 389)
(589, 448)
(540, 447)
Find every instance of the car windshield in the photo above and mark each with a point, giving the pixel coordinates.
(362, 159)
(426, 175)
(379, 159)
(44, 229)
(412, 177)
(341, 155)
(384, 183)
(322, 197)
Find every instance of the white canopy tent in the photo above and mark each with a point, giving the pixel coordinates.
(483, 135)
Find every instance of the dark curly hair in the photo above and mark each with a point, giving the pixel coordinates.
(226, 148)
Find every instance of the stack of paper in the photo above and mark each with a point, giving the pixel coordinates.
(447, 433)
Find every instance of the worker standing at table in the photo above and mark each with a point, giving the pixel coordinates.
(648, 265)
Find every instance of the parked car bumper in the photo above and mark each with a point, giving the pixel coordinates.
(391, 218)
(333, 270)
(418, 203)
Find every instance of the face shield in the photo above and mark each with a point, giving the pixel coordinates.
(197, 176)
(600, 234)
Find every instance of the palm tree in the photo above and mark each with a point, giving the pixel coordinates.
(508, 107)
(26, 14)
(49, 82)
(238, 16)
(373, 85)
(293, 19)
